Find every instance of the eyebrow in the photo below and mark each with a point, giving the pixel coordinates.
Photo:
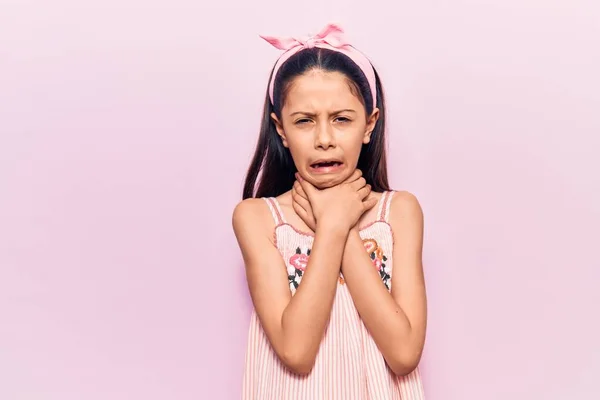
(314, 115)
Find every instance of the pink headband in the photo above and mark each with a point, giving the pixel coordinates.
(331, 37)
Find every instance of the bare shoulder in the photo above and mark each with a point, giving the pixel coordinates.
(405, 205)
(251, 216)
(406, 219)
(247, 209)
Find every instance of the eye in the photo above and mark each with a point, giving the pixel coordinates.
(302, 121)
(343, 119)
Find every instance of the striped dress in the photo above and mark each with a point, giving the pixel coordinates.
(349, 366)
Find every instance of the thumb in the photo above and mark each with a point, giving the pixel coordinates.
(309, 189)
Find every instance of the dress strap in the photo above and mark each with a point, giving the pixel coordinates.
(275, 210)
(384, 206)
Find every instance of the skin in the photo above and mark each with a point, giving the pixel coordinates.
(397, 321)
(322, 118)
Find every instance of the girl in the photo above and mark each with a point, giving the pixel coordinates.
(332, 255)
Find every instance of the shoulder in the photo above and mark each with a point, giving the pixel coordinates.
(406, 222)
(405, 205)
(253, 224)
(250, 214)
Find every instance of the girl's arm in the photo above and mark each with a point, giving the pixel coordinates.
(397, 322)
(293, 324)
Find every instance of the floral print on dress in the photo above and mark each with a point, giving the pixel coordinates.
(297, 266)
(379, 260)
(299, 260)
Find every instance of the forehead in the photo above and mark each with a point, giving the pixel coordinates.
(318, 89)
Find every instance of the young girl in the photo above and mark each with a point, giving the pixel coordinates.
(332, 255)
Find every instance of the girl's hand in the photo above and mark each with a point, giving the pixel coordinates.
(302, 206)
(341, 205)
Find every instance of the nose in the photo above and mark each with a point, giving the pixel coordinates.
(324, 138)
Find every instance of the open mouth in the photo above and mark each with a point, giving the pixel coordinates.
(326, 166)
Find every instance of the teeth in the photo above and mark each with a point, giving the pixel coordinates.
(326, 164)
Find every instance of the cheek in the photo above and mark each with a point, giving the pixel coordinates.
(300, 151)
(299, 143)
(353, 147)
(297, 147)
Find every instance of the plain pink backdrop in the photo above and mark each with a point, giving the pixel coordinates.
(125, 130)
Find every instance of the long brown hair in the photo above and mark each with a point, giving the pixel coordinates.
(271, 171)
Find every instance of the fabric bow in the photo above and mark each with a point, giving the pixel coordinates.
(332, 35)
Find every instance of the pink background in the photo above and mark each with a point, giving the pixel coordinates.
(125, 129)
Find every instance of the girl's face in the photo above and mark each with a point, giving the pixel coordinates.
(324, 125)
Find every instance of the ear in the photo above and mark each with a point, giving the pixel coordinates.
(279, 127)
(371, 121)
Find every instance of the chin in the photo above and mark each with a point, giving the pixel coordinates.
(326, 185)
(328, 180)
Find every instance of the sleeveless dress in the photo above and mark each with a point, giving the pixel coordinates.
(348, 366)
